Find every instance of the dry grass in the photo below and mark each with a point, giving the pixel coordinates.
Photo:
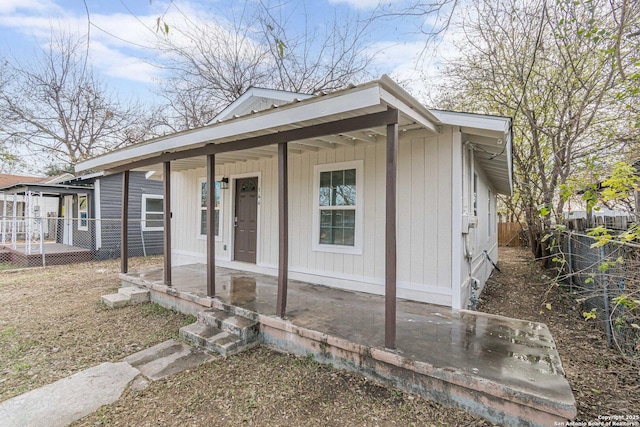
(51, 326)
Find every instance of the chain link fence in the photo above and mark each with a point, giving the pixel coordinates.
(42, 241)
(606, 280)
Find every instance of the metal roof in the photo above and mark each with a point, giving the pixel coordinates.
(351, 102)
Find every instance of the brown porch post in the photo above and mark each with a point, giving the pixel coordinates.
(124, 224)
(390, 238)
(166, 175)
(283, 230)
(211, 233)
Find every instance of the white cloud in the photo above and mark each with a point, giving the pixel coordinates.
(364, 4)
(12, 6)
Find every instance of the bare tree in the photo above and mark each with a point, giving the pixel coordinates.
(55, 109)
(560, 69)
(212, 63)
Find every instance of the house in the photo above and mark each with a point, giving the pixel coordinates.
(78, 218)
(19, 204)
(362, 189)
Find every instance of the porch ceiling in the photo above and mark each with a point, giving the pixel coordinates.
(329, 142)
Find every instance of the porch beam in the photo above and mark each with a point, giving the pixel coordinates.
(381, 118)
(283, 230)
(124, 224)
(166, 179)
(211, 235)
(390, 270)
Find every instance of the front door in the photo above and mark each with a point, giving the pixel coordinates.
(246, 220)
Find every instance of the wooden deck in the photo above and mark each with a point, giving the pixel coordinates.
(54, 254)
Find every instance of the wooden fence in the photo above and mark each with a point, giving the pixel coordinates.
(509, 234)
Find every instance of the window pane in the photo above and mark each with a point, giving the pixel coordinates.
(154, 217)
(325, 218)
(325, 196)
(153, 205)
(350, 177)
(349, 237)
(154, 223)
(325, 179)
(325, 235)
(338, 236)
(203, 222)
(337, 178)
(203, 194)
(82, 203)
(337, 218)
(349, 218)
(345, 195)
(217, 195)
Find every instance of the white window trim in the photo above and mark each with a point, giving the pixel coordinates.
(356, 249)
(144, 212)
(86, 210)
(201, 236)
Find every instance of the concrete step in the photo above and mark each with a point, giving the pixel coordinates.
(136, 295)
(115, 300)
(126, 296)
(214, 339)
(244, 328)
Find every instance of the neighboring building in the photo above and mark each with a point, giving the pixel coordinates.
(450, 166)
(85, 212)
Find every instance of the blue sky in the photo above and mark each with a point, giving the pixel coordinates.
(123, 30)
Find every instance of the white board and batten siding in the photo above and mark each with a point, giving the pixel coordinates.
(424, 218)
(483, 238)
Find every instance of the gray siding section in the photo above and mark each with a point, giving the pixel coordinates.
(140, 243)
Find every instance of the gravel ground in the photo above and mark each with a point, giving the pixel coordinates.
(51, 326)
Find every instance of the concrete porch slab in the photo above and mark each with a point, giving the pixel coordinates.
(506, 370)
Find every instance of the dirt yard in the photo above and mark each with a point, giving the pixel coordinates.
(51, 326)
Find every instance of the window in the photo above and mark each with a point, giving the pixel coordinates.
(152, 212)
(337, 225)
(83, 212)
(488, 213)
(202, 219)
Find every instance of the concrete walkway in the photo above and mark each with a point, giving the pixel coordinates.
(75, 397)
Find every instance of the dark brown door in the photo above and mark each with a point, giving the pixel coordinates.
(246, 220)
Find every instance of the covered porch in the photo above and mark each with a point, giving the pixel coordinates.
(506, 370)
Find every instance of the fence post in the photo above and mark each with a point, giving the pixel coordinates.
(14, 223)
(27, 223)
(44, 264)
(603, 282)
(4, 219)
(570, 262)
